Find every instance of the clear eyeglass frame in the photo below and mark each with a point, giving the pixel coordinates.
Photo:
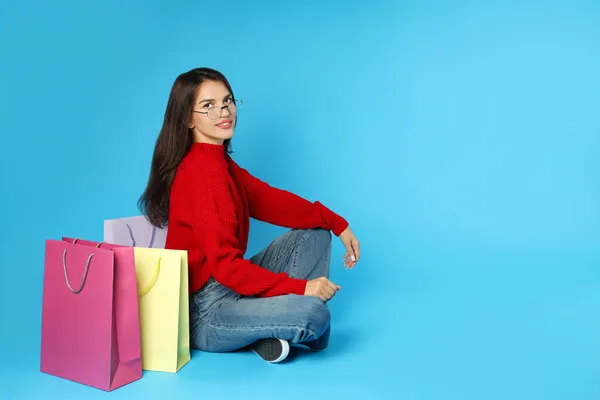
(215, 113)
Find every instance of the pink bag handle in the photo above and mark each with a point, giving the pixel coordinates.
(85, 272)
(97, 246)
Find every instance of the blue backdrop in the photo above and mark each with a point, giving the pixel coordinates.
(460, 139)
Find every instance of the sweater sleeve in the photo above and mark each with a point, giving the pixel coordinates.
(283, 208)
(214, 226)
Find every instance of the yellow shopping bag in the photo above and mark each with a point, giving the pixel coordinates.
(162, 280)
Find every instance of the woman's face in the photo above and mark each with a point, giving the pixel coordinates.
(218, 125)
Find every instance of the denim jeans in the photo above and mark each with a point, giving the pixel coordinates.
(222, 320)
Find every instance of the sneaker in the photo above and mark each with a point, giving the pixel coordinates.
(271, 350)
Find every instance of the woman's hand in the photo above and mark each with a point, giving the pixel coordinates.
(352, 248)
(322, 288)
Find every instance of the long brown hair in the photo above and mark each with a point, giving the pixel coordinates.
(174, 142)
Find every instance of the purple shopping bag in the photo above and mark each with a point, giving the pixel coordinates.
(134, 231)
(90, 319)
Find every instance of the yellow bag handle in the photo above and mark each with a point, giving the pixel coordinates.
(153, 281)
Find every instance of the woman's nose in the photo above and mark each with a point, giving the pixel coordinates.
(225, 108)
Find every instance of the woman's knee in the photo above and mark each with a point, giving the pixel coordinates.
(311, 234)
(319, 235)
(318, 240)
(316, 315)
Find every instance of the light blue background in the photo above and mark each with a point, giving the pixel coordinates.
(460, 139)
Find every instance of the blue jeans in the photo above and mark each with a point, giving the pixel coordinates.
(222, 320)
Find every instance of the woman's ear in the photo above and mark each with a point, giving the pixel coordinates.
(191, 125)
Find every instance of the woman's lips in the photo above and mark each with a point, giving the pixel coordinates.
(224, 124)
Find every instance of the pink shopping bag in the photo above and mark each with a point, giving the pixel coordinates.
(90, 319)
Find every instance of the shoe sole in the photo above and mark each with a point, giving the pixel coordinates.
(265, 351)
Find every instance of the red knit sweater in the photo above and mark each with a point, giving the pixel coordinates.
(212, 200)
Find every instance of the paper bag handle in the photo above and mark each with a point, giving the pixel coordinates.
(133, 239)
(152, 282)
(97, 246)
(85, 272)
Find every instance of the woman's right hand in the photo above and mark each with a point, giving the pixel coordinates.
(322, 288)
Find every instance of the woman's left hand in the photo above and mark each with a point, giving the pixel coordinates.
(352, 248)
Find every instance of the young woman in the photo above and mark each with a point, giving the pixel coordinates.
(279, 295)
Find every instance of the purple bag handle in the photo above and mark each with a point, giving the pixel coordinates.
(133, 239)
(85, 272)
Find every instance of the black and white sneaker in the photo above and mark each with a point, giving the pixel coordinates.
(271, 350)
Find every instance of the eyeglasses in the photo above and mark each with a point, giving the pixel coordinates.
(217, 112)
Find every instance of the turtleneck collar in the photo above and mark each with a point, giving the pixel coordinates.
(208, 148)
